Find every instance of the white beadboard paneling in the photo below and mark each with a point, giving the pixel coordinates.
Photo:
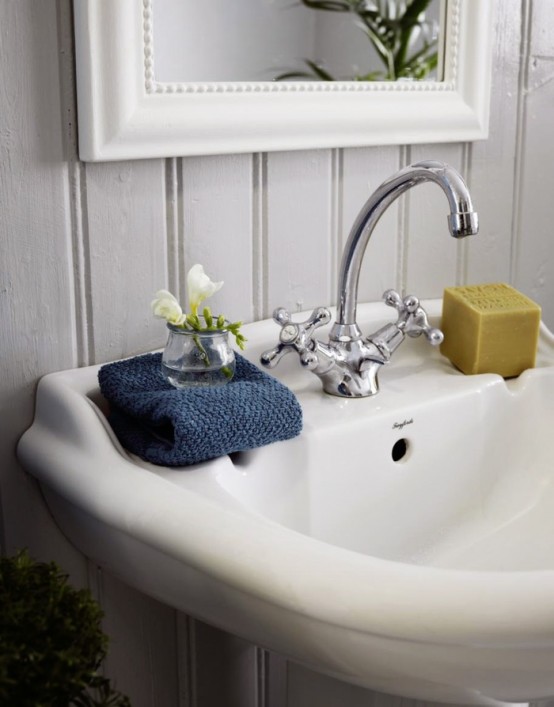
(306, 688)
(535, 247)
(174, 223)
(186, 661)
(300, 196)
(493, 162)
(542, 34)
(126, 228)
(535, 254)
(363, 170)
(225, 669)
(142, 652)
(36, 285)
(431, 254)
(273, 690)
(77, 213)
(217, 228)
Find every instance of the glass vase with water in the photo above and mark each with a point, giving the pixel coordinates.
(194, 358)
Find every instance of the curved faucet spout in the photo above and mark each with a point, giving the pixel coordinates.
(462, 222)
(348, 364)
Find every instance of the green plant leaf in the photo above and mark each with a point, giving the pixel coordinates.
(407, 23)
(241, 341)
(295, 75)
(318, 71)
(329, 5)
(372, 76)
(193, 321)
(51, 641)
(389, 25)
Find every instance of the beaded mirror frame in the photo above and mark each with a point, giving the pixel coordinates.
(125, 113)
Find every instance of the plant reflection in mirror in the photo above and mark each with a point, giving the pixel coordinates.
(393, 28)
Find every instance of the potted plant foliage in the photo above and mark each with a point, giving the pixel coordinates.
(391, 26)
(51, 641)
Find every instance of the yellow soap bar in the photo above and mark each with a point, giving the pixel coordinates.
(490, 329)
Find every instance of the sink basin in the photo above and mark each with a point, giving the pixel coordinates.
(402, 542)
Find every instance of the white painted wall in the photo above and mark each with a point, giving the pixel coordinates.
(83, 247)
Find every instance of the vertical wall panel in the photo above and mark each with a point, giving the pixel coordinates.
(218, 228)
(36, 278)
(273, 690)
(542, 34)
(493, 161)
(127, 261)
(535, 254)
(307, 687)
(364, 169)
(126, 227)
(173, 223)
(225, 669)
(431, 254)
(300, 196)
(142, 657)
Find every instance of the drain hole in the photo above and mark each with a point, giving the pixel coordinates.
(399, 450)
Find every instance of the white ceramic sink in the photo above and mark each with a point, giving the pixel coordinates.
(428, 575)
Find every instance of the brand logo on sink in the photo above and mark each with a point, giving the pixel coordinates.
(401, 425)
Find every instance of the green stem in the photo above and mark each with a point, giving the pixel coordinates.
(203, 353)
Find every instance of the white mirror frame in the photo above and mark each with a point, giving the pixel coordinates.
(124, 113)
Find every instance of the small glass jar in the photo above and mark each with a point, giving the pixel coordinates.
(197, 358)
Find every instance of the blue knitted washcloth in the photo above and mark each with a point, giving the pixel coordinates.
(177, 427)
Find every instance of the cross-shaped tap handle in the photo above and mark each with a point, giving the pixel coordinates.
(296, 336)
(412, 318)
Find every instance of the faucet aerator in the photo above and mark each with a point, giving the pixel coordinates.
(463, 223)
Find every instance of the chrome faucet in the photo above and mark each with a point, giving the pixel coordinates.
(348, 364)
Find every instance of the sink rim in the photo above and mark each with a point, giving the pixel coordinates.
(369, 594)
(452, 604)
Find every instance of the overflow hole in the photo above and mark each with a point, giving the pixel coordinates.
(399, 450)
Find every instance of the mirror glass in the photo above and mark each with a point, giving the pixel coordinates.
(288, 40)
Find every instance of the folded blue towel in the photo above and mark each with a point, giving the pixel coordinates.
(177, 427)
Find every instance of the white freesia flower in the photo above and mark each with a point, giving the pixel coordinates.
(200, 287)
(166, 306)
